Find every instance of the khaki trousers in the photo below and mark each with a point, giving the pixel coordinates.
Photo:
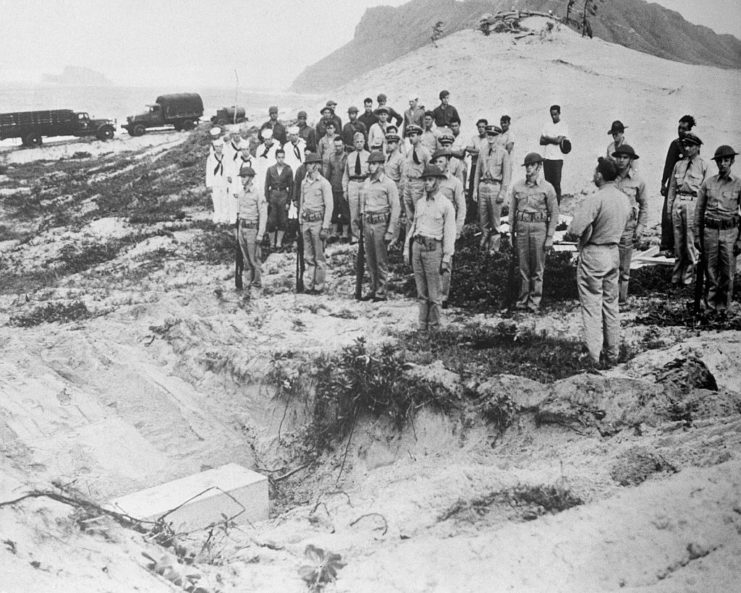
(685, 254)
(414, 190)
(353, 202)
(720, 266)
(626, 255)
(490, 210)
(426, 260)
(249, 245)
(530, 243)
(597, 281)
(376, 256)
(315, 266)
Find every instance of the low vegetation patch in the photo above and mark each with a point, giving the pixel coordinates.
(527, 501)
(680, 312)
(51, 313)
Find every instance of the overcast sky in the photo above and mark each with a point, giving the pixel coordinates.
(155, 42)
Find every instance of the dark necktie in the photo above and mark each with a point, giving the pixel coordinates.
(358, 170)
(415, 158)
(219, 168)
(297, 152)
(265, 152)
(236, 152)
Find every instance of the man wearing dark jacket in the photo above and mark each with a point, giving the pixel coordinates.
(673, 156)
(445, 112)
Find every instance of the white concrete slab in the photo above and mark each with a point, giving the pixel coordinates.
(202, 499)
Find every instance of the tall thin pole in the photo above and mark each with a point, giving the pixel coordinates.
(236, 94)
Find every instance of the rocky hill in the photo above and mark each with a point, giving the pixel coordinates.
(385, 33)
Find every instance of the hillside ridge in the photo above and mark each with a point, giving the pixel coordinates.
(385, 33)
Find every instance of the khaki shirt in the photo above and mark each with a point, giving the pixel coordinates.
(395, 166)
(452, 188)
(687, 177)
(635, 188)
(601, 218)
(414, 170)
(317, 195)
(381, 195)
(719, 198)
(349, 170)
(494, 164)
(435, 217)
(539, 198)
(252, 207)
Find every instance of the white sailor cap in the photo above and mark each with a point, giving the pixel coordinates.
(293, 130)
(215, 132)
(267, 133)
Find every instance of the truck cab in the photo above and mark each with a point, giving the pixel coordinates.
(180, 111)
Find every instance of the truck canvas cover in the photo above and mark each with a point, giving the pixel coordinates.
(181, 104)
(26, 118)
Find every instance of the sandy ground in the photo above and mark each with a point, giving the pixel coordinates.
(170, 377)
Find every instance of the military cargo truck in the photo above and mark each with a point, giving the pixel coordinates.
(180, 111)
(226, 115)
(32, 126)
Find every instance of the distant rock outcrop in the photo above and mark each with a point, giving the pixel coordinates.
(77, 76)
(385, 33)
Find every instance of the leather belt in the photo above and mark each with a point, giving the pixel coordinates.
(374, 217)
(687, 193)
(246, 224)
(279, 188)
(532, 216)
(429, 243)
(312, 215)
(491, 181)
(722, 224)
(358, 178)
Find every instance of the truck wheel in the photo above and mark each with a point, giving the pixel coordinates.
(178, 126)
(105, 133)
(221, 122)
(138, 130)
(33, 139)
(188, 124)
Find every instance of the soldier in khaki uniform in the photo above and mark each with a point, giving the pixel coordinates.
(687, 177)
(355, 173)
(599, 222)
(315, 216)
(629, 182)
(718, 203)
(533, 215)
(417, 158)
(451, 187)
(491, 182)
(253, 215)
(432, 242)
(379, 205)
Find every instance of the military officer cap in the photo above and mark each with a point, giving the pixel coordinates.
(432, 171)
(565, 146)
(724, 151)
(267, 133)
(493, 130)
(617, 127)
(441, 152)
(215, 132)
(626, 149)
(301, 115)
(326, 108)
(313, 158)
(531, 158)
(691, 139)
(246, 171)
(293, 130)
(393, 138)
(273, 109)
(446, 139)
(413, 129)
(378, 147)
(331, 104)
(352, 109)
(376, 157)
(381, 110)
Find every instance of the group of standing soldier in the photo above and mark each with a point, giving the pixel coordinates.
(367, 181)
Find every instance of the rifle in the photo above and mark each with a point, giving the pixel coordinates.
(299, 261)
(360, 263)
(238, 261)
(514, 290)
(700, 270)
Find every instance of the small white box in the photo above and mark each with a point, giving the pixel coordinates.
(204, 497)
